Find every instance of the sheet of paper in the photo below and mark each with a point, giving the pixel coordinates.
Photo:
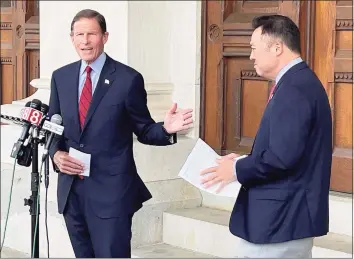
(83, 157)
(201, 157)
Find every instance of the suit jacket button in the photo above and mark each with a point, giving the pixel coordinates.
(82, 145)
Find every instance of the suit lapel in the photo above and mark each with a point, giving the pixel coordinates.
(73, 95)
(102, 87)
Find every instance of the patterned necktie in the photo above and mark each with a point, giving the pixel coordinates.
(271, 92)
(86, 97)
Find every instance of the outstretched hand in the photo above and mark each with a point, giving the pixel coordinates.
(177, 121)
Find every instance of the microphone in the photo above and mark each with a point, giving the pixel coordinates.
(44, 110)
(26, 126)
(28, 114)
(55, 128)
(33, 114)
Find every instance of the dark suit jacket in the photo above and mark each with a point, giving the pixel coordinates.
(118, 110)
(285, 180)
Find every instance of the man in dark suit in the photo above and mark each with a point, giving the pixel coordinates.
(102, 103)
(283, 202)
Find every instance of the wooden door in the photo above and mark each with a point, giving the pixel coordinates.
(233, 96)
(333, 64)
(19, 48)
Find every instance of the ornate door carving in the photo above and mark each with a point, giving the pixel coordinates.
(19, 48)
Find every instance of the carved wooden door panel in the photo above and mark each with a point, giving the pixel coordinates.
(333, 64)
(19, 48)
(234, 96)
(7, 49)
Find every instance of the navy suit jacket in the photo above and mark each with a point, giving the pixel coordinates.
(117, 110)
(285, 180)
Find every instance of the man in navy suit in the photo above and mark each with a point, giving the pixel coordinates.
(283, 202)
(102, 103)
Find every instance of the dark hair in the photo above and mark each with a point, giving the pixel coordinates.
(90, 14)
(282, 27)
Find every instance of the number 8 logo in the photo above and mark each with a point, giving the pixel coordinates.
(35, 117)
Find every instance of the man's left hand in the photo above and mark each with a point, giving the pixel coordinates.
(177, 121)
(223, 173)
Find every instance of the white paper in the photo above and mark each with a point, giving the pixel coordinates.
(201, 157)
(83, 158)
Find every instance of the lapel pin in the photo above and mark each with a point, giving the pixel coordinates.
(106, 81)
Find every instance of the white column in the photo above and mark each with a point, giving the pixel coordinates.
(148, 51)
(151, 28)
(164, 45)
(56, 49)
(185, 55)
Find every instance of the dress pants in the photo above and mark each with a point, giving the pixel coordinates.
(92, 236)
(301, 248)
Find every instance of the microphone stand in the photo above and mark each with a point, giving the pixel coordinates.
(46, 166)
(32, 201)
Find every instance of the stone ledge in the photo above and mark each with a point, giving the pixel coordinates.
(340, 210)
(206, 230)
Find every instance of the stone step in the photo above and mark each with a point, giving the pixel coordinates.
(7, 252)
(162, 250)
(206, 230)
(340, 213)
(340, 209)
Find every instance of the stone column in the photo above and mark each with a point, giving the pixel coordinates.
(152, 26)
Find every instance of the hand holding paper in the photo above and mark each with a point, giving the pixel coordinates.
(222, 173)
(204, 159)
(83, 158)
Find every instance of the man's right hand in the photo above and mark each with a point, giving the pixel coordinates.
(68, 164)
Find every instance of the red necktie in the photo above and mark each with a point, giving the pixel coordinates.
(86, 97)
(271, 92)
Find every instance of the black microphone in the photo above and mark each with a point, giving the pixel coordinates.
(44, 110)
(26, 126)
(55, 128)
(36, 104)
(27, 112)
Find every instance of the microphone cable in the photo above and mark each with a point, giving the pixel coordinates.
(46, 184)
(46, 218)
(8, 207)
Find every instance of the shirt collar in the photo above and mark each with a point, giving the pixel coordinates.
(96, 65)
(286, 68)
